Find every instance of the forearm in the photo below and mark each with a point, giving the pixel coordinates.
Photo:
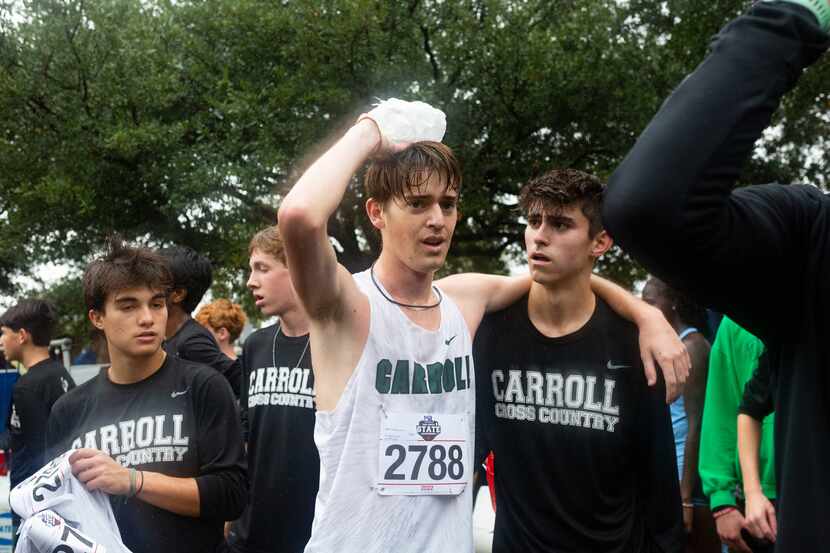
(749, 440)
(688, 482)
(318, 193)
(177, 495)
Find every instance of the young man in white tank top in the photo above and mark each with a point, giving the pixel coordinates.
(392, 349)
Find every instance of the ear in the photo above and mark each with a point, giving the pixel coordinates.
(223, 333)
(601, 243)
(96, 318)
(177, 296)
(374, 209)
(23, 336)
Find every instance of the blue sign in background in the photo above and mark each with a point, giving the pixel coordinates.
(5, 532)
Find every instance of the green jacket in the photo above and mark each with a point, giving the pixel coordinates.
(732, 361)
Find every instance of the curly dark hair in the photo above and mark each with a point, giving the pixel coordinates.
(563, 187)
(120, 267)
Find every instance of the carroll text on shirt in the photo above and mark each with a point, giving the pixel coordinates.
(152, 439)
(408, 377)
(280, 386)
(552, 398)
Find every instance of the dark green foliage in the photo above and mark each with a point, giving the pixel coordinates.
(184, 122)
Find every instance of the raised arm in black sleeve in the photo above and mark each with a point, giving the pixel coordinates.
(673, 192)
(757, 401)
(222, 480)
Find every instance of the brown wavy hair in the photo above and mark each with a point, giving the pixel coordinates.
(123, 266)
(403, 173)
(564, 187)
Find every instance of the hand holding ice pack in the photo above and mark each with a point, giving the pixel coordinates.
(402, 121)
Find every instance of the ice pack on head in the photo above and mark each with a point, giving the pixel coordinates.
(402, 121)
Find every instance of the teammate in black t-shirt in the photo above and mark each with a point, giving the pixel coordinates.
(186, 338)
(160, 432)
(26, 331)
(278, 412)
(584, 451)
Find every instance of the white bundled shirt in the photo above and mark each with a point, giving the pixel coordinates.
(47, 532)
(55, 488)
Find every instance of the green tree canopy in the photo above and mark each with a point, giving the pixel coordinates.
(184, 122)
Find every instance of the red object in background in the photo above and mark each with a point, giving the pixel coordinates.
(4, 467)
(490, 468)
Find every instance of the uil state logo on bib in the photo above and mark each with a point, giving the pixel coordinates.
(50, 519)
(414, 460)
(428, 428)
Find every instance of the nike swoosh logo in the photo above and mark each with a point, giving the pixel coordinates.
(174, 395)
(447, 342)
(612, 367)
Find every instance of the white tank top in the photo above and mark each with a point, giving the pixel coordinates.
(419, 386)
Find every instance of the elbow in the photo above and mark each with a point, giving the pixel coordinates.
(237, 505)
(236, 495)
(296, 219)
(223, 496)
(639, 212)
(628, 210)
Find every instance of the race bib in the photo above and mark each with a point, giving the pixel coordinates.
(423, 454)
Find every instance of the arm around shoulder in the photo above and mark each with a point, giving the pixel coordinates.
(478, 293)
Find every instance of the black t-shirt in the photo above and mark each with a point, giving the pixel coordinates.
(193, 342)
(584, 451)
(283, 463)
(32, 399)
(181, 421)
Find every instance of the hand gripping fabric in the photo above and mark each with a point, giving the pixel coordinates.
(402, 121)
(55, 488)
(48, 532)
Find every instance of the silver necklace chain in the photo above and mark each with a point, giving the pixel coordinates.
(406, 305)
(274, 347)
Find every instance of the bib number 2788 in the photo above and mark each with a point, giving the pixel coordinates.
(423, 454)
(442, 461)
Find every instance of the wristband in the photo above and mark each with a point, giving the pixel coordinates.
(722, 512)
(131, 493)
(141, 485)
(688, 505)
